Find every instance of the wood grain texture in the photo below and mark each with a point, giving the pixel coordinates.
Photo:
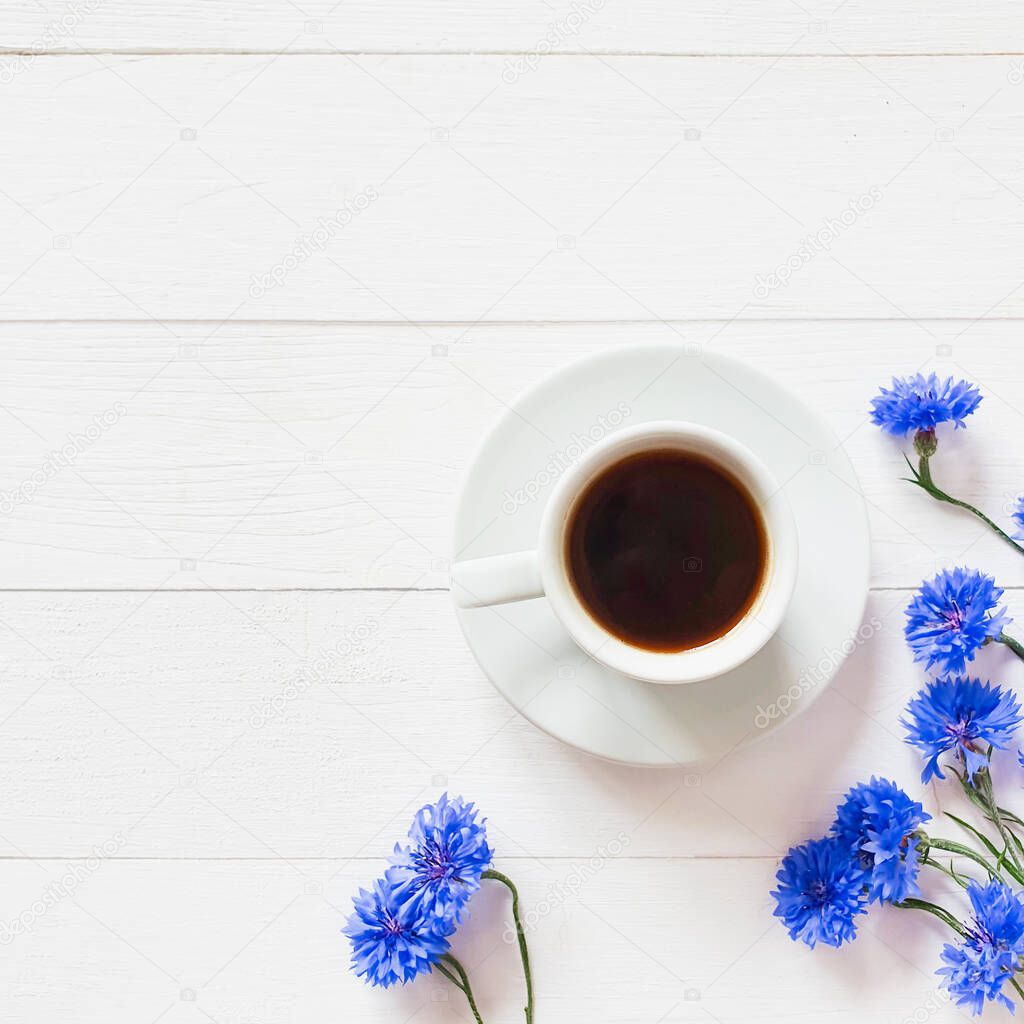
(238, 942)
(226, 649)
(300, 725)
(331, 455)
(645, 26)
(625, 188)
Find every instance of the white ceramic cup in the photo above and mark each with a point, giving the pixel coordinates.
(522, 575)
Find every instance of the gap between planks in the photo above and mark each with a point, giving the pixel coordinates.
(506, 857)
(234, 590)
(571, 55)
(320, 590)
(543, 322)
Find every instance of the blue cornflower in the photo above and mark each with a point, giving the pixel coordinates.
(991, 950)
(821, 891)
(956, 715)
(1018, 517)
(952, 616)
(448, 856)
(876, 821)
(921, 403)
(393, 940)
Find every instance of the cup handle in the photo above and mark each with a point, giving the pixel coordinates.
(500, 579)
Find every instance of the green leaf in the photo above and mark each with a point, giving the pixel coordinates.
(990, 846)
(1015, 839)
(943, 915)
(961, 880)
(949, 846)
(1010, 816)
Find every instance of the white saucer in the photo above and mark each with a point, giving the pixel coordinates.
(532, 660)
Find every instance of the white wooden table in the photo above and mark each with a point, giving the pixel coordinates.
(268, 447)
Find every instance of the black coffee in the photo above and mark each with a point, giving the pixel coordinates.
(666, 550)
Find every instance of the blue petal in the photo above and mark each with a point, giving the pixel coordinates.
(922, 403)
(821, 891)
(876, 821)
(445, 861)
(952, 616)
(991, 952)
(960, 716)
(392, 940)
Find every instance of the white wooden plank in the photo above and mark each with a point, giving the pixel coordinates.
(646, 26)
(587, 189)
(613, 939)
(327, 455)
(306, 725)
(330, 456)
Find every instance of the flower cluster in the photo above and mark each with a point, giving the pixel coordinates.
(870, 854)
(992, 950)
(401, 927)
(948, 621)
(876, 847)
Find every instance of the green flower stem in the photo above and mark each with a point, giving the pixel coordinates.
(943, 915)
(524, 955)
(1001, 863)
(1015, 645)
(949, 872)
(922, 476)
(1010, 816)
(949, 846)
(983, 787)
(947, 918)
(461, 982)
(979, 791)
(453, 978)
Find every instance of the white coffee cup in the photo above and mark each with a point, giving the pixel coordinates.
(522, 575)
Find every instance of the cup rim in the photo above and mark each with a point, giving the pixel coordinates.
(766, 612)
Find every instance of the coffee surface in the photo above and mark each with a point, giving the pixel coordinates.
(666, 550)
